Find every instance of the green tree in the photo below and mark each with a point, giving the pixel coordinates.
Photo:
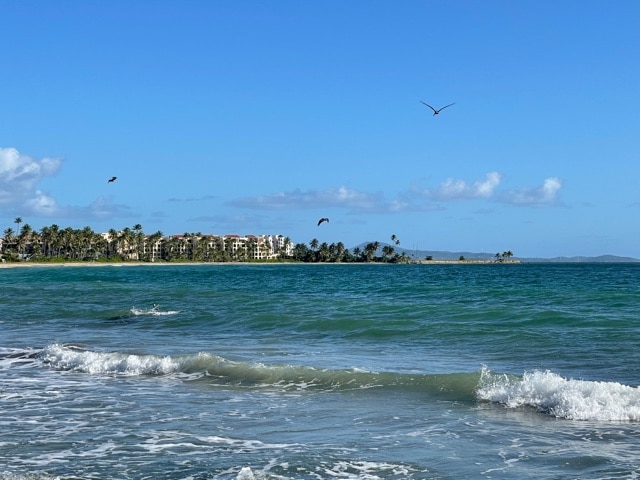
(138, 238)
(18, 221)
(370, 250)
(387, 252)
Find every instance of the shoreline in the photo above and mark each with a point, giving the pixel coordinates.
(169, 264)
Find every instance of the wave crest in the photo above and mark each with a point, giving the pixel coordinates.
(77, 359)
(563, 398)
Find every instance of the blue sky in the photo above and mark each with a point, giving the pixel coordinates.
(256, 117)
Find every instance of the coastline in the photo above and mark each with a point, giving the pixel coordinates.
(168, 264)
(102, 264)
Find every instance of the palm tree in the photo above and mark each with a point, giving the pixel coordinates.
(387, 252)
(9, 238)
(287, 245)
(370, 250)
(36, 246)
(139, 240)
(323, 252)
(171, 250)
(301, 252)
(18, 221)
(114, 242)
(50, 240)
(25, 237)
(126, 236)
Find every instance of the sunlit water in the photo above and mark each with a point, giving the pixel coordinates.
(320, 371)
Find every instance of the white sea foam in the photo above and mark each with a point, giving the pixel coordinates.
(69, 358)
(562, 397)
(356, 470)
(153, 311)
(245, 474)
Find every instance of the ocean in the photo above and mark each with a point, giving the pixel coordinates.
(297, 371)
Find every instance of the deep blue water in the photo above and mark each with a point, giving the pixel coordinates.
(320, 371)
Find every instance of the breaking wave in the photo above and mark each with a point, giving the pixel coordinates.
(543, 391)
(560, 397)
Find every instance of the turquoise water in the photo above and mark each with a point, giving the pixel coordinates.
(320, 371)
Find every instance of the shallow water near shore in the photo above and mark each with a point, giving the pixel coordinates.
(320, 371)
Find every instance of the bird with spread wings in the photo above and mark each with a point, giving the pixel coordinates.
(436, 112)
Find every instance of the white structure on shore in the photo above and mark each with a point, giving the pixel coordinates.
(249, 247)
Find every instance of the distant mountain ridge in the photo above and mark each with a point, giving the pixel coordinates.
(446, 255)
(581, 259)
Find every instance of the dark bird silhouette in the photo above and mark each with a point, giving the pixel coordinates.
(436, 112)
(112, 179)
(323, 219)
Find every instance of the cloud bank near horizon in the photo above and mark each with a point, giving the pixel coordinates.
(20, 175)
(414, 199)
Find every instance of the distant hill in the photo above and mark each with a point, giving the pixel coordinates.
(446, 255)
(579, 259)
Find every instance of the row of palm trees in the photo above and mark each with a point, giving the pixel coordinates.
(337, 253)
(53, 243)
(501, 257)
(67, 244)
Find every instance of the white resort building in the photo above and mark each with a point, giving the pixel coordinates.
(198, 246)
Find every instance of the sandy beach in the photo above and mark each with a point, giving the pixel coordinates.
(98, 264)
(167, 264)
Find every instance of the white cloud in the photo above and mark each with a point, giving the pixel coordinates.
(354, 201)
(41, 204)
(19, 178)
(452, 189)
(19, 175)
(414, 199)
(545, 194)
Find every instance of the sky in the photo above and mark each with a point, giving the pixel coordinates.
(253, 117)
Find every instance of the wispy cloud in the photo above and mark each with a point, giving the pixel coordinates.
(297, 199)
(543, 195)
(192, 199)
(100, 209)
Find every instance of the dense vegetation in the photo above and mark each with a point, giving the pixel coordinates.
(53, 244)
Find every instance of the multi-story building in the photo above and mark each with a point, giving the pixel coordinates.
(138, 247)
(251, 247)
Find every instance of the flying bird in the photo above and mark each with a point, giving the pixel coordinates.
(323, 219)
(436, 112)
(112, 179)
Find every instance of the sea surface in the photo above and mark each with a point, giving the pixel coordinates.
(518, 371)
